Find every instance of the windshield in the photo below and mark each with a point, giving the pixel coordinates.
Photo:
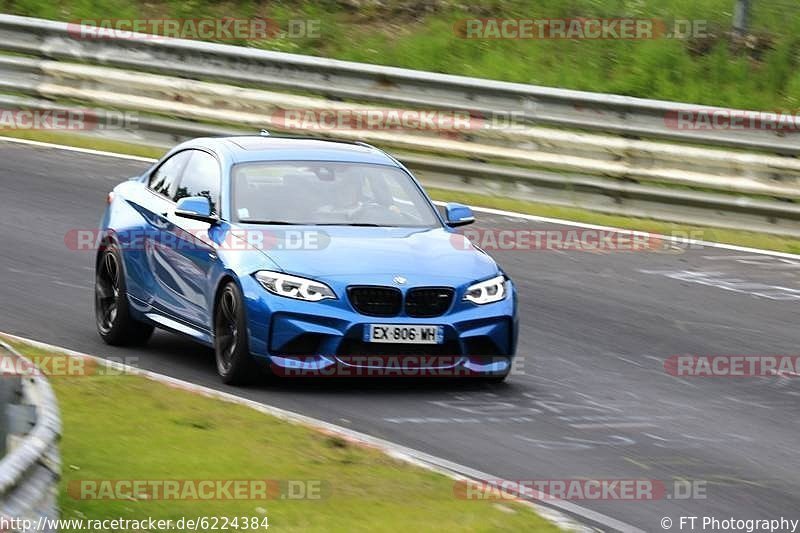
(324, 193)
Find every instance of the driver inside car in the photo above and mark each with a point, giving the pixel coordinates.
(348, 198)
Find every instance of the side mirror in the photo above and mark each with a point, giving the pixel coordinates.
(196, 208)
(458, 215)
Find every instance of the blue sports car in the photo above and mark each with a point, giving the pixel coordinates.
(303, 257)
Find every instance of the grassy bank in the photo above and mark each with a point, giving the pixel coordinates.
(125, 427)
(712, 68)
(706, 233)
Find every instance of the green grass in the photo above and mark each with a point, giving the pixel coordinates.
(128, 427)
(421, 35)
(741, 238)
(707, 233)
(80, 141)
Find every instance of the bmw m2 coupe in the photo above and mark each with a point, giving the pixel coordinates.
(301, 257)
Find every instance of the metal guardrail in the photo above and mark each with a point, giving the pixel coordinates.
(635, 117)
(699, 185)
(31, 467)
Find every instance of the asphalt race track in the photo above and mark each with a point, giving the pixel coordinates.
(594, 400)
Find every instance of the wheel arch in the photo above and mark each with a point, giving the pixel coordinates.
(226, 277)
(108, 238)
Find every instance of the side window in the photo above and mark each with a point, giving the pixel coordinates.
(165, 178)
(201, 177)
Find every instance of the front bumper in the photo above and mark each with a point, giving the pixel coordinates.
(326, 338)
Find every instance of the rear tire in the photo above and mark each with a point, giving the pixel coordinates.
(235, 365)
(112, 312)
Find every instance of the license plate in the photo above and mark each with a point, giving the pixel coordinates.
(397, 334)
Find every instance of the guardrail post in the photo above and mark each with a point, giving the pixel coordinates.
(741, 17)
(9, 390)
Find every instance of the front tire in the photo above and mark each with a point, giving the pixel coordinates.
(235, 365)
(112, 312)
(495, 380)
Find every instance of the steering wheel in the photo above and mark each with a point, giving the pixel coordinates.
(367, 209)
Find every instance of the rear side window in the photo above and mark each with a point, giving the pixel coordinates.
(201, 177)
(165, 179)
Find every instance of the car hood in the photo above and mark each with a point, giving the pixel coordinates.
(368, 255)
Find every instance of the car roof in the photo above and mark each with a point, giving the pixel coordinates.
(253, 148)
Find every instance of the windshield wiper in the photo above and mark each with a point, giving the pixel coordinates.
(270, 222)
(287, 223)
(359, 224)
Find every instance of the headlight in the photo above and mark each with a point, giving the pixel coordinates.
(294, 286)
(486, 292)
